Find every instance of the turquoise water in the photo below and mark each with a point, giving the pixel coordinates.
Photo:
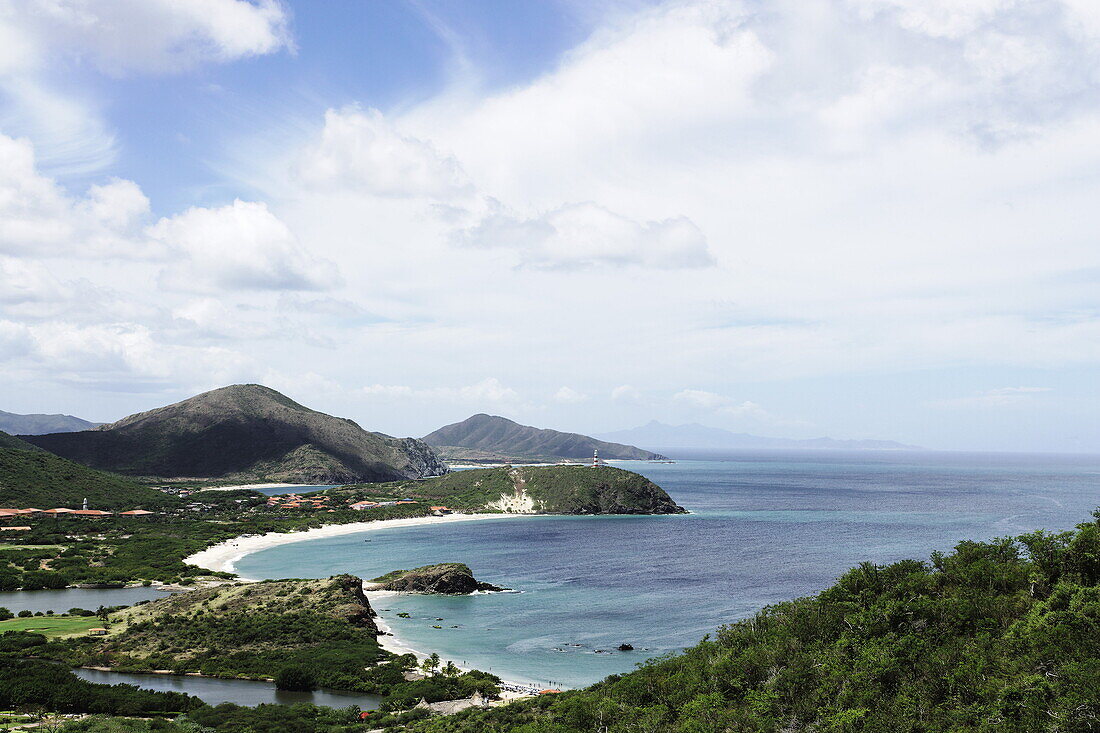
(765, 527)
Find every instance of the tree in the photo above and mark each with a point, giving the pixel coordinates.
(5, 614)
(450, 669)
(430, 665)
(296, 678)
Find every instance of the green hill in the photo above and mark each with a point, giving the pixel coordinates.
(1000, 636)
(31, 477)
(489, 437)
(245, 432)
(533, 489)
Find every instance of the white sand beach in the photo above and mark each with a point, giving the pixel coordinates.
(224, 556)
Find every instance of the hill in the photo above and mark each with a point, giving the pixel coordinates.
(31, 477)
(999, 636)
(660, 436)
(42, 424)
(501, 438)
(245, 432)
(531, 490)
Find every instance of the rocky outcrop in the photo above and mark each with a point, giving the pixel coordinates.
(452, 578)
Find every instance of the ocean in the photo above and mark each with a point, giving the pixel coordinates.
(764, 527)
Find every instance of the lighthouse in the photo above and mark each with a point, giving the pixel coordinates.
(595, 458)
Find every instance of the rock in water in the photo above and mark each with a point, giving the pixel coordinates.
(452, 578)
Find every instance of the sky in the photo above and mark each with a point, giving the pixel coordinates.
(853, 218)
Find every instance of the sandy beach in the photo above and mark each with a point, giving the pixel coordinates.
(223, 557)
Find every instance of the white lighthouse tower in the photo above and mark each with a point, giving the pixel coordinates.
(595, 458)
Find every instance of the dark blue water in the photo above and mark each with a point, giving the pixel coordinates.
(765, 528)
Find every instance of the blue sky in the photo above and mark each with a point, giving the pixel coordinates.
(855, 218)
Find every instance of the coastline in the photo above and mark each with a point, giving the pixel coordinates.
(224, 556)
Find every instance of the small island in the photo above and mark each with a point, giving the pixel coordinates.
(450, 578)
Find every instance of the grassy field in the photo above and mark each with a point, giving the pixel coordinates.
(52, 626)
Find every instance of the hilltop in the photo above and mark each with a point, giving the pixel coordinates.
(490, 437)
(533, 490)
(245, 432)
(31, 477)
(42, 424)
(694, 436)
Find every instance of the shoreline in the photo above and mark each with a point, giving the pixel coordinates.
(224, 556)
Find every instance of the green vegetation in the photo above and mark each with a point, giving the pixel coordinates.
(303, 634)
(40, 684)
(254, 630)
(120, 550)
(244, 432)
(30, 477)
(485, 437)
(52, 626)
(999, 636)
(551, 489)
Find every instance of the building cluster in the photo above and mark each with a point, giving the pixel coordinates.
(7, 515)
(295, 501)
(361, 505)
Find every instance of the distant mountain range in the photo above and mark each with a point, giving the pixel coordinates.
(244, 432)
(658, 436)
(489, 437)
(42, 424)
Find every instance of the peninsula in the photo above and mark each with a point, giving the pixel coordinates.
(493, 439)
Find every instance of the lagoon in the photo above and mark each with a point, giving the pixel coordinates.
(213, 691)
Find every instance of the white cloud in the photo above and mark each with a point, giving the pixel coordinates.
(147, 36)
(38, 217)
(714, 402)
(626, 393)
(363, 151)
(239, 246)
(111, 353)
(569, 396)
(489, 392)
(587, 235)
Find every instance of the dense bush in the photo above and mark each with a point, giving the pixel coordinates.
(31, 683)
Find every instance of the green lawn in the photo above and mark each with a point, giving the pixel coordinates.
(52, 626)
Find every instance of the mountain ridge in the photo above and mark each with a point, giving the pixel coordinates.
(503, 438)
(660, 436)
(248, 432)
(41, 424)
